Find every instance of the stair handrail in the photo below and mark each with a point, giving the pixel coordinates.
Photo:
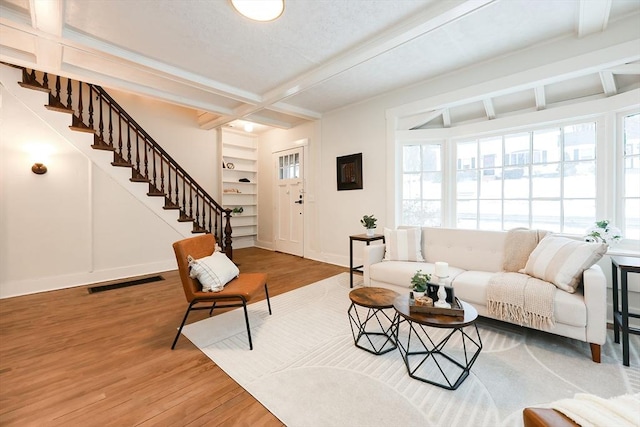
(156, 145)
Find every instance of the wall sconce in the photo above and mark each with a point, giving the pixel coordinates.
(39, 169)
(39, 153)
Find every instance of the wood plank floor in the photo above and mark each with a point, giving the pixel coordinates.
(71, 358)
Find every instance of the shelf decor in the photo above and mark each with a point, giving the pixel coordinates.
(349, 172)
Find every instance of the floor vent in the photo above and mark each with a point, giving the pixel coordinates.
(142, 281)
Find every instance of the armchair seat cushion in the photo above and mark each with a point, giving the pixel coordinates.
(246, 285)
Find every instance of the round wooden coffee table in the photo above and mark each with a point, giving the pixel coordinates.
(372, 328)
(441, 359)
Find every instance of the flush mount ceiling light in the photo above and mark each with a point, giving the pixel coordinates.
(259, 10)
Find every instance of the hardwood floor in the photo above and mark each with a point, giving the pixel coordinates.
(77, 359)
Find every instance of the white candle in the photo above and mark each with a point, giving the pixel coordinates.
(442, 269)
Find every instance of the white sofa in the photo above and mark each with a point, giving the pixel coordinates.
(473, 257)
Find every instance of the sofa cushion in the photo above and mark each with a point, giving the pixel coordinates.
(403, 244)
(400, 272)
(562, 261)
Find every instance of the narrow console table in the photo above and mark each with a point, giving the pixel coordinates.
(621, 315)
(359, 238)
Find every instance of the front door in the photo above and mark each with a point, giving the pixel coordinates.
(289, 202)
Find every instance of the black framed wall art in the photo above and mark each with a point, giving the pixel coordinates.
(349, 172)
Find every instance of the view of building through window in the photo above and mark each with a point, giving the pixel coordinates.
(539, 179)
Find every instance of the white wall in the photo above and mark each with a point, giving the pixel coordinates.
(76, 225)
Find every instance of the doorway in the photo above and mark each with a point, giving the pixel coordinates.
(289, 201)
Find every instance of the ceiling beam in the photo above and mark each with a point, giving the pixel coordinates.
(446, 118)
(593, 16)
(488, 108)
(46, 17)
(541, 98)
(608, 83)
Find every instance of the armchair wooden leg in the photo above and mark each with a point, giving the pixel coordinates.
(182, 325)
(595, 352)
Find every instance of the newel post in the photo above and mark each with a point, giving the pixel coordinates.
(228, 249)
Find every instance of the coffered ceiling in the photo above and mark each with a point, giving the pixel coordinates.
(319, 56)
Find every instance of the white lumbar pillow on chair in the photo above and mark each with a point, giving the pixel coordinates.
(213, 272)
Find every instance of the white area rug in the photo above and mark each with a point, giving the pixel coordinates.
(306, 370)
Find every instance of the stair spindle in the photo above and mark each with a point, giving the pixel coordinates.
(128, 142)
(110, 126)
(137, 151)
(197, 221)
(58, 89)
(153, 165)
(120, 136)
(169, 181)
(45, 81)
(80, 118)
(69, 104)
(146, 160)
(101, 122)
(91, 106)
(177, 190)
(190, 201)
(161, 174)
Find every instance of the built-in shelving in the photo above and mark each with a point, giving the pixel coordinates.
(239, 159)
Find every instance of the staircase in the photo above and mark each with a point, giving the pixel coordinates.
(116, 133)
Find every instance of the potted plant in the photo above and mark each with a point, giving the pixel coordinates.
(420, 281)
(604, 232)
(369, 222)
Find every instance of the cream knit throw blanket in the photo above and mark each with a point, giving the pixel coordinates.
(593, 411)
(521, 299)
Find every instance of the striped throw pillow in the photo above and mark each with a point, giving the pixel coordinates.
(403, 244)
(213, 272)
(562, 261)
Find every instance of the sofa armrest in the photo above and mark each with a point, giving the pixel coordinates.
(372, 254)
(595, 299)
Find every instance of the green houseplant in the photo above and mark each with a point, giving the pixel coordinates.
(420, 281)
(369, 222)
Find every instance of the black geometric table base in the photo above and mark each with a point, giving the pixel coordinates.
(371, 332)
(432, 362)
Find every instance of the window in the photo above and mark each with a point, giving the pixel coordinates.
(289, 166)
(422, 184)
(538, 179)
(631, 181)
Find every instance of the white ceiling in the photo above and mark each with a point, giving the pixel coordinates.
(319, 56)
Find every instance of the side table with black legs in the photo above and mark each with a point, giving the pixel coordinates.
(621, 315)
(359, 238)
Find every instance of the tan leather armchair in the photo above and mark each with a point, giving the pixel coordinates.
(237, 293)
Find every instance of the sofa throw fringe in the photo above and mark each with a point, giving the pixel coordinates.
(521, 299)
(589, 410)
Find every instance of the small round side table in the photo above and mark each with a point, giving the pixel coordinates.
(372, 328)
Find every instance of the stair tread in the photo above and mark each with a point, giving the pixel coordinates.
(122, 164)
(59, 109)
(33, 86)
(82, 129)
(156, 194)
(102, 147)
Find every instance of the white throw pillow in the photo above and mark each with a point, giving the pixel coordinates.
(213, 272)
(403, 244)
(562, 261)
